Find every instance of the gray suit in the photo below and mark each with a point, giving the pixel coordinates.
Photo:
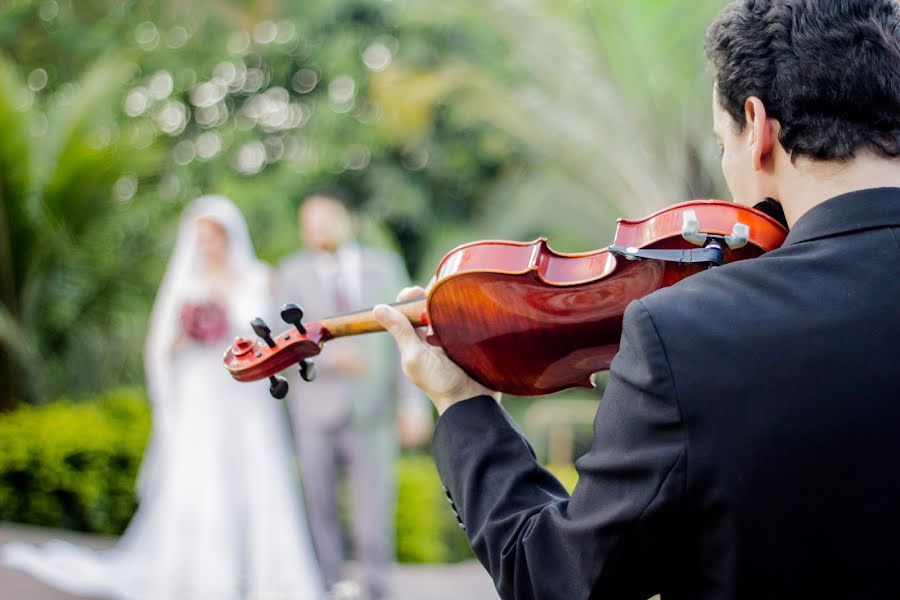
(345, 419)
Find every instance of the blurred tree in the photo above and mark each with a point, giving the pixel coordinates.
(68, 248)
(611, 101)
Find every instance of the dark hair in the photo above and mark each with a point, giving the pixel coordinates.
(827, 70)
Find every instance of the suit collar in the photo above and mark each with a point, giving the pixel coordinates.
(856, 211)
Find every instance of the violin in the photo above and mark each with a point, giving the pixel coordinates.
(523, 319)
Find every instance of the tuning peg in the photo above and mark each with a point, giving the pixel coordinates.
(308, 370)
(293, 314)
(262, 330)
(739, 237)
(278, 387)
(690, 228)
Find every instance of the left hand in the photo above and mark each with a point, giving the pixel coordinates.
(428, 367)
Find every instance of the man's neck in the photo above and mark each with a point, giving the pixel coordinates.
(812, 183)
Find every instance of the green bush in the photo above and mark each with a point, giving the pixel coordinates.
(73, 465)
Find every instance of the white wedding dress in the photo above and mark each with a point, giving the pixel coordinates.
(220, 516)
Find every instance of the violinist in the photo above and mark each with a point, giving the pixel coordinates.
(748, 441)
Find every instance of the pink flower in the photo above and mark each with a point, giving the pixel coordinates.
(205, 322)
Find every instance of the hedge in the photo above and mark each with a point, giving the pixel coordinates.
(73, 465)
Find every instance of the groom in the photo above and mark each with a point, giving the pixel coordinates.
(350, 417)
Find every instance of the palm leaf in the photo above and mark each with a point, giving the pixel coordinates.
(69, 164)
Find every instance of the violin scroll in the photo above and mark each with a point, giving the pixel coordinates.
(249, 360)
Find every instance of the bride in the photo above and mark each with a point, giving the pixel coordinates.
(220, 516)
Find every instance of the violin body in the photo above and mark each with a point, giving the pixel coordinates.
(526, 320)
(523, 319)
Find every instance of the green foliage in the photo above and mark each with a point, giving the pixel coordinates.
(71, 257)
(611, 101)
(73, 464)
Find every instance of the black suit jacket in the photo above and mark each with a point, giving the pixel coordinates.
(747, 444)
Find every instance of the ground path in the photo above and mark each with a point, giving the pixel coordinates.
(466, 581)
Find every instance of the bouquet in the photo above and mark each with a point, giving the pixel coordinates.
(205, 322)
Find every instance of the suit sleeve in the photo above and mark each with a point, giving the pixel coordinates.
(613, 536)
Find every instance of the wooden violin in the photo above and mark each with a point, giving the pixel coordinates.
(523, 319)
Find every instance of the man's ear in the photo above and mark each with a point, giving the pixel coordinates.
(762, 132)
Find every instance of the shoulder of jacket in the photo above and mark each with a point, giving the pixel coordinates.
(710, 297)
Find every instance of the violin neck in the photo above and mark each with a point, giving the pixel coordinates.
(362, 322)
